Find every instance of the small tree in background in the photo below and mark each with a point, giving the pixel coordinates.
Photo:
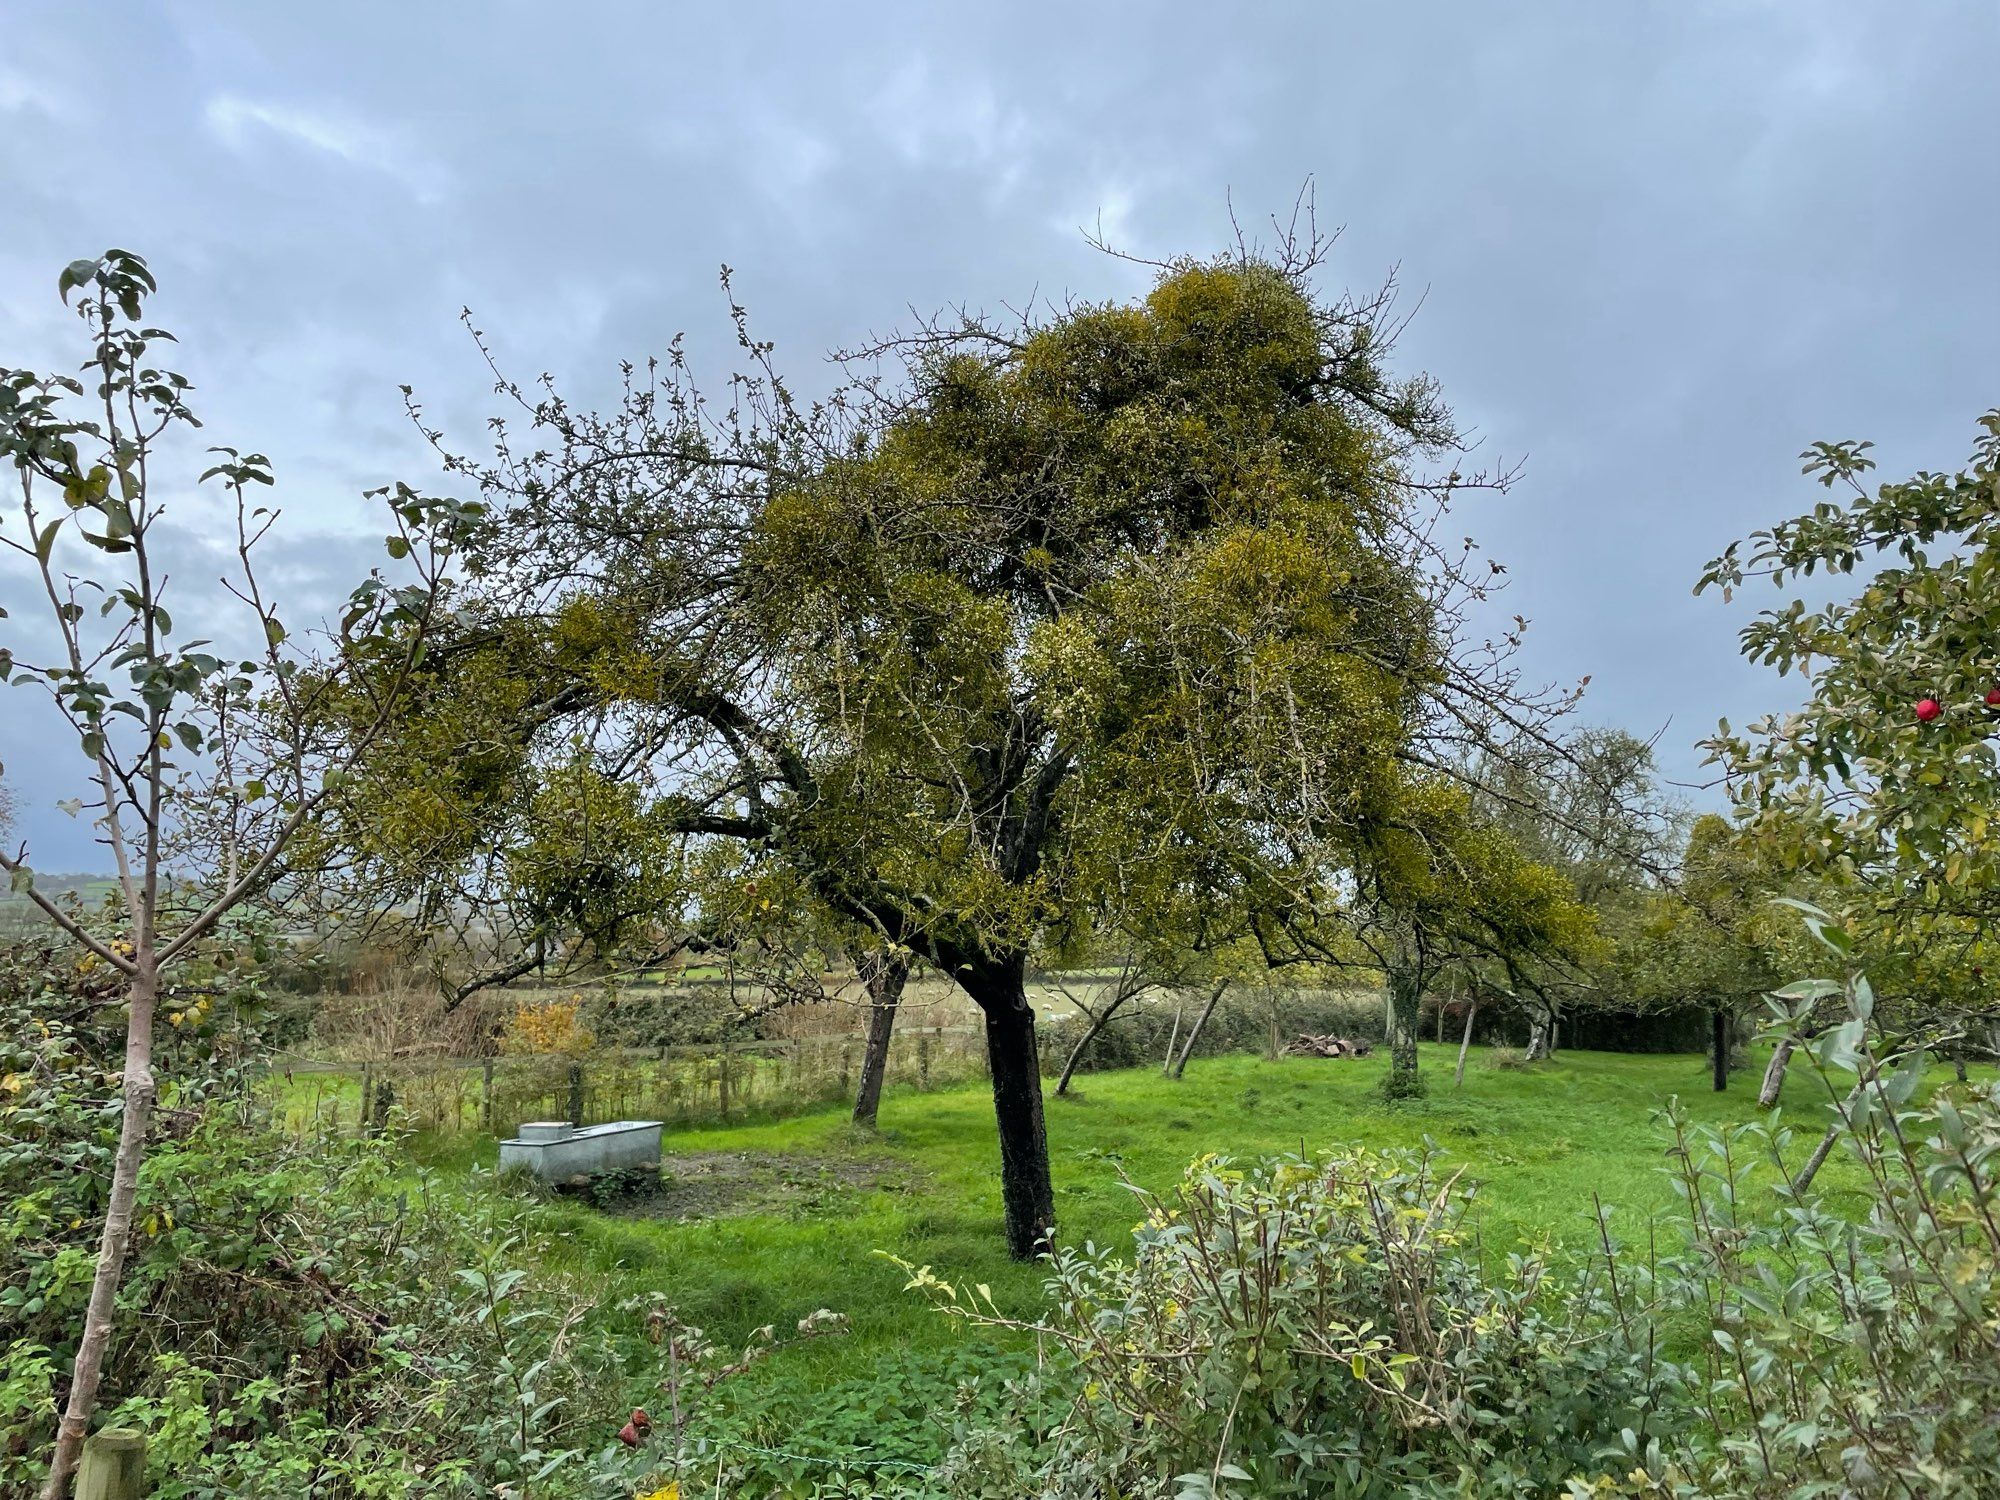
(1448, 891)
(1714, 938)
(200, 769)
(1592, 809)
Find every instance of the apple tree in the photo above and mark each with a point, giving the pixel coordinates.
(1021, 615)
(1884, 787)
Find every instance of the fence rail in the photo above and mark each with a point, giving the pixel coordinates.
(689, 1084)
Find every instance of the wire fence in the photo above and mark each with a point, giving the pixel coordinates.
(716, 1082)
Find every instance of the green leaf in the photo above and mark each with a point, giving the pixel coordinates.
(190, 735)
(1902, 1084)
(77, 273)
(399, 547)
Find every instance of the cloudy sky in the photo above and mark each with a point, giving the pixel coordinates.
(1660, 244)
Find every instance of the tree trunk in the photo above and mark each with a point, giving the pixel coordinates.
(1406, 993)
(1721, 1046)
(1538, 1036)
(1458, 1078)
(1193, 1036)
(1774, 1073)
(1097, 1024)
(884, 974)
(140, 1090)
(1820, 1152)
(1000, 990)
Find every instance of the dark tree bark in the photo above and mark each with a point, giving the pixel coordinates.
(1193, 1036)
(1027, 1194)
(1721, 1048)
(1406, 994)
(1774, 1073)
(884, 973)
(1097, 1024)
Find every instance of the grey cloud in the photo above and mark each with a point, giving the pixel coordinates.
(1661, 246)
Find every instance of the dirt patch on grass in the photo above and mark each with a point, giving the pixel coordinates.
(721, 1184)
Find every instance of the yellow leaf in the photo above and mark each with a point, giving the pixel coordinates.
(1359, 1365)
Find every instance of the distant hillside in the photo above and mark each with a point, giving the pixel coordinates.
(19, 915)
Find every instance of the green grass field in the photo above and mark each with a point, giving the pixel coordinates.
(1539, 1143)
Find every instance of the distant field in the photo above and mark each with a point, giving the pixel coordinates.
(19, 915)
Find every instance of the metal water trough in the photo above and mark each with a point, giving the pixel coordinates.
(555, 1150)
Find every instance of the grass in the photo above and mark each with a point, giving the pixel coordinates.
(1539, 1142)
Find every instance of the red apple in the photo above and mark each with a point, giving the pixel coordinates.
(1993, 697)
(1928, 709)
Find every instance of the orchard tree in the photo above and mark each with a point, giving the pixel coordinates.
(1022, 609)
(1591, 808)
(1884, 788)
(1437, 889)
(198, 769)
(1714, 937)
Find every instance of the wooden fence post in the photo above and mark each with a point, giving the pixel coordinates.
(576, 1093)
(367, 1098)
(486, 1096)
(722, 1082)
(114, 1465)
(923, 1061)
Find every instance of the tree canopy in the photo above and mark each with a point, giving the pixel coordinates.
(1882, 786)
(1118, 615)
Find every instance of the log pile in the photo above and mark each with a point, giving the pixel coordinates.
(1306, 1044)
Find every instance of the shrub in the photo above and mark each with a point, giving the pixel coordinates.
(1841, 1354)
(1322, 1327)
(544, 1028)
(300, 1316)
(1138, 1034)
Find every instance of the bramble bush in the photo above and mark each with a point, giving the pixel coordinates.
(300, 1316)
